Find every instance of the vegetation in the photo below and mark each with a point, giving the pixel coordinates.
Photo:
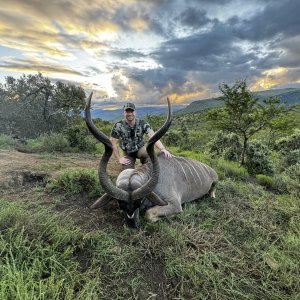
(77, 181)
(32, 105)
(242, 245)
(242, 114)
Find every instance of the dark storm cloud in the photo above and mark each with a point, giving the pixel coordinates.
(157, 77)
(204, 51)
(279, 17)
(193, 17)
(290, 52)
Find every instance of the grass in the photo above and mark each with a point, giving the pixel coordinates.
(75, 181)
(242, 245)
(264, 180)
(46, 257)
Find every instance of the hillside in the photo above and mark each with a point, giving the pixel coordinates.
(290, 95)
(112, 115)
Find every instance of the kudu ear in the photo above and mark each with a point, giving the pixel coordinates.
(155, 199)
(102, 201)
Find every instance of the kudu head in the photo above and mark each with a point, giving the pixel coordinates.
(129, 201)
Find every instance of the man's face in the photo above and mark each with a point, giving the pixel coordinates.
(129, 114)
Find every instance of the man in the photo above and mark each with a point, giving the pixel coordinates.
(129, 132)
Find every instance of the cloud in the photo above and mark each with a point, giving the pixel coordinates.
(277, 18)
(208, 51)
(147, 49)
(193, 17)
(36, 66)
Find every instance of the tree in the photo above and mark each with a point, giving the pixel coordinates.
(243, 114)
(32, 105)
(69, 99)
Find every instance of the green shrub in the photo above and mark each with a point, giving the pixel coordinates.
(53, 142)
(290, 158)
(289, 150)
(172, 138)
(79, 138)
(226, 145)
(288, 181)
(289, 143)
(264, 180)
(7, 142)
(258, 159)
(72, 182)
(36, 143)
(196, 139)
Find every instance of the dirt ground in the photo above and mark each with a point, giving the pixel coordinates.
(23, 174)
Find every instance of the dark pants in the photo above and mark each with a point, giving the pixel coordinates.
(141, 154)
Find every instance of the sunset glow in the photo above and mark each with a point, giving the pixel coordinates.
(143, 51)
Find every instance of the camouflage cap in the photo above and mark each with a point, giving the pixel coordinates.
(129, 106)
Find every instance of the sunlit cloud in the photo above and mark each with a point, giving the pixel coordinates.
(275, 72)
(270, 78)
(138, 24)
(182, 98)
(143, 51)
(39, 66)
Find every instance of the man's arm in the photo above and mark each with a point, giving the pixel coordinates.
(121, 159)
(159, 145)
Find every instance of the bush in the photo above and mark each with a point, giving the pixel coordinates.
(53, 142)
(172, 138)
(258, 159)
(289, 150)
(7, 142)
(289, 143)
(79, 138)
(226, 145)
(74, 182)
(288, 181)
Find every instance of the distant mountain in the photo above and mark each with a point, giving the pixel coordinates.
(199, 105)
(142, 111)
(289, 95)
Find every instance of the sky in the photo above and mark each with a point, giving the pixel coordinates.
(142, 51)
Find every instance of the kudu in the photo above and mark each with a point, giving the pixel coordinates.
(166, 182)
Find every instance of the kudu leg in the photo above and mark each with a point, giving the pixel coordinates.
(212, 190)
(153, 213)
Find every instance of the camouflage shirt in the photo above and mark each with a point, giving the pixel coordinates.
(131, 138)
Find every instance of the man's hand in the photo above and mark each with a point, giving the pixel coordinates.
(166, 153)
(124, 160)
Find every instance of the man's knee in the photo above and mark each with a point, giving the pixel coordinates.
(143, 155)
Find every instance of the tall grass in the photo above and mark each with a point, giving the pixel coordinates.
(76, 181)
(39, 257)
(44, 256)
(7, 142)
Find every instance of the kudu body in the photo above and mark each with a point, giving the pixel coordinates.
(165, 182)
